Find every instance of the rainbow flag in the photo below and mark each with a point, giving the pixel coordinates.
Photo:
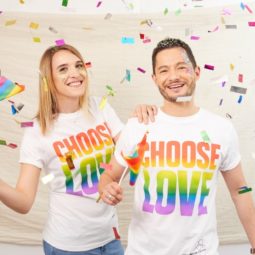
(135, 160)
(9, 88)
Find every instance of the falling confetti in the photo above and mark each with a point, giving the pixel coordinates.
(60, 42)
(205, 136)
(209, 67)
(47, 178)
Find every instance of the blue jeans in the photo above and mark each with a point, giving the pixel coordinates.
(112, 248)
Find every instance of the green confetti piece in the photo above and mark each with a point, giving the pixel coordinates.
(178, 12)
(244, 190)
(65, 3)
(165, 11)
(2, 142)
(131, 6)
(205, 136)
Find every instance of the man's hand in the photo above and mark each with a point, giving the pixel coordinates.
(112, 193)
(145, 112)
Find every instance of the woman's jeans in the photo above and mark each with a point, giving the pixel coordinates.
(112, 248)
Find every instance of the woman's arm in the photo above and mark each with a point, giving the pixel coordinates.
(21, 198)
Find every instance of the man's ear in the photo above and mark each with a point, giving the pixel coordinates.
(153, 76)
(197, 72)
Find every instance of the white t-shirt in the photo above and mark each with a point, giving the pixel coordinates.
(75, 221)
(174, 198)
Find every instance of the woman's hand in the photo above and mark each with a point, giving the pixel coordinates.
(145, 113)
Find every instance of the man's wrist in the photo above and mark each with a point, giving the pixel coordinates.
(252, 251)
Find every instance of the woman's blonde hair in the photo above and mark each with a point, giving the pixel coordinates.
(48, 109)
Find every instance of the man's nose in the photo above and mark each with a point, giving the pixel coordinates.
(173, 74)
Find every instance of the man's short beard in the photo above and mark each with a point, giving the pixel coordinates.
(174, 99)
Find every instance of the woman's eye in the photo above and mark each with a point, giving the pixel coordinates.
(80, 66)
(62, 69)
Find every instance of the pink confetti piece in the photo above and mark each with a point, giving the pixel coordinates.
(214, 30)
(248, 8)
(251, 23)
(141, 70)
(147, 40)
(226, 12)
(210, 67)
(60, 42)
(106, 166)
(240, 77)
(99, 3)
(26, 124)
(193, 37)
(12, 145)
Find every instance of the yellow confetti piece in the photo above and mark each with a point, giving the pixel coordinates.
(103, 103)
(34, 25)
(143, 22)
(231, 67)
(222, 20)
(10, 22)
(45, 84)
(22, 1)
(36, 39)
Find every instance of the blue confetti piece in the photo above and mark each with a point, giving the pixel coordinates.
(242, 5)
(240, 99)
(14, 111)
(127, 40)
(128, 75)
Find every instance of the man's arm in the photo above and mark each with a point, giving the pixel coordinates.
(243, 202)
(109, 189)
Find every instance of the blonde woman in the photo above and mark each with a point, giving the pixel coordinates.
(70, 138)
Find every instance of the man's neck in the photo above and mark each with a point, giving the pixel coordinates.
(180, 109)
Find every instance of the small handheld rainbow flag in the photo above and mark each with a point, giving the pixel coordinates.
(9, 88)
(135, 160)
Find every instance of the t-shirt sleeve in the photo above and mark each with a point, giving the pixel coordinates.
(231, 157)
(113, 121)
(31, 150)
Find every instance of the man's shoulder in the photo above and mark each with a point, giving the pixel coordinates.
(214, 115)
